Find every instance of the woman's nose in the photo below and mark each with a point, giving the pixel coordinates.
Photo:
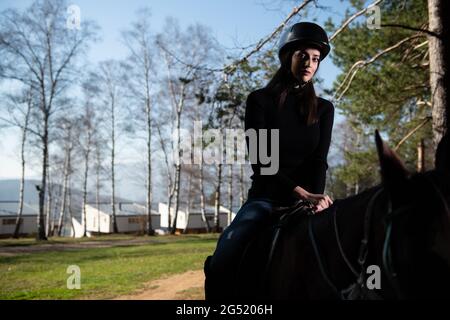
(308, 62)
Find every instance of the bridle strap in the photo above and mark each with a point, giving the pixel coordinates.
(364, 249)
(339, 243)
(319, 259)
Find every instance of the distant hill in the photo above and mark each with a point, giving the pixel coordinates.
(9, 191)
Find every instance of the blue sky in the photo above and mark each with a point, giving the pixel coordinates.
(232, 22)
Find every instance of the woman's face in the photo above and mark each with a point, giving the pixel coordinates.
(305, 62)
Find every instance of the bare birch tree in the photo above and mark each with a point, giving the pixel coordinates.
(109, 79)
(140, 75)
(39, 50)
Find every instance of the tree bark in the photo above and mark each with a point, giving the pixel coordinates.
(230, 194)
(113, 154)
(22, 178)
(178, 149)
(86, 174)
(150, 230)
(49, 203)
(421, 156)
(69, 205)
(189, 202)
(64, 192)
(202, 200)
(97, 184)
(439, 23)
(41, 188)
(217, 200)
(242, 186)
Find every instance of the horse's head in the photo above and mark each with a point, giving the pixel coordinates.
(416, 253)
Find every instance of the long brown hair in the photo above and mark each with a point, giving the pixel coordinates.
(283, 82)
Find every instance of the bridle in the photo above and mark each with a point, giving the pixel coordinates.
(358, 289)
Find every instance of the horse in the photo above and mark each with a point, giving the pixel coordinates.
(391, 241)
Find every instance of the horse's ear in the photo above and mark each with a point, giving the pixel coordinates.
(442, 158)
(393, 171)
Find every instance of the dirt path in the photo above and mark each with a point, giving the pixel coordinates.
(184, 286)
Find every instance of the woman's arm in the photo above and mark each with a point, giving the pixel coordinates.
(320, 201)
(320, 164)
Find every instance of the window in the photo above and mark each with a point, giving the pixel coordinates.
(11, 221)
(133, 220)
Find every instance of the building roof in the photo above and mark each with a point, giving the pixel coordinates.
(132, 208)
(124, 209)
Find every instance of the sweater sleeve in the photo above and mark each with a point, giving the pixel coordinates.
(255, 118)
(320, 164)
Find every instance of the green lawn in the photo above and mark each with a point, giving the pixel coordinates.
(31, 241)
(105, 272)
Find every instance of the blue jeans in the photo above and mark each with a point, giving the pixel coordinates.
(234, 239)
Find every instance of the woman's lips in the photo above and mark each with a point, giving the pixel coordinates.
(305, 71)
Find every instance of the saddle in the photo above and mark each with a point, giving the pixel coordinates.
(282, 216)
(260, 251)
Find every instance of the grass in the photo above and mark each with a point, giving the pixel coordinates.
(31, 241)
(105, 272)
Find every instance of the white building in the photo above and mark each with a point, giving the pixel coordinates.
(8, 216)
(192, 222)
(130, 218)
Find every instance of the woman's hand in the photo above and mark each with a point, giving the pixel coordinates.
(320, 201)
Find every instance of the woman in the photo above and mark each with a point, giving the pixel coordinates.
(305, 122)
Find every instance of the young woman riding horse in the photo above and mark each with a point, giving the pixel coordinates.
(288, 103)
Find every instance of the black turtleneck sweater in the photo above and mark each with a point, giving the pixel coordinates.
(303, 148)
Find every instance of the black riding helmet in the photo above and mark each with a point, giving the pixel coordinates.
(305, 33)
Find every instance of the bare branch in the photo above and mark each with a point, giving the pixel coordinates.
(262, 42)
(353, 17)
(428, 32)
(363, 63)
(424, 122)
(17, 124)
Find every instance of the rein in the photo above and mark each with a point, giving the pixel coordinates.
(356, 289)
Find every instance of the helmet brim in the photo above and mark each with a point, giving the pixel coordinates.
(324, 48)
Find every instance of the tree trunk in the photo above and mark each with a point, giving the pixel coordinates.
(69, 205)
(86, 173)
(439, 23)
(202, 200)
(113, 181)
(189, 202)
(241, 184)
(421, 156)
(177, 196)
(230, 194)
(42, 187)
(217, 201)
(178, 165)
(150, 230)
(64, 192)
(97, 184)
(49, 203)
(22, 178)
